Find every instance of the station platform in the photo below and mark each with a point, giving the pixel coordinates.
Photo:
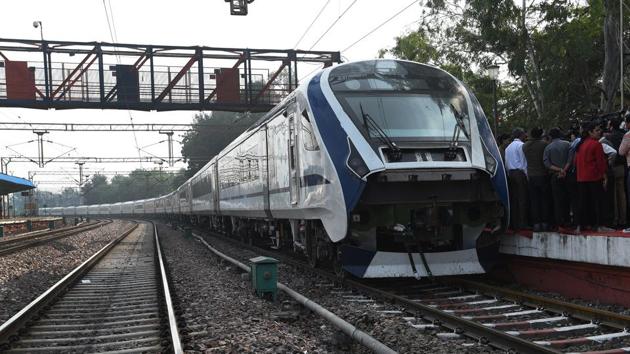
(591, 265)
(18, 226)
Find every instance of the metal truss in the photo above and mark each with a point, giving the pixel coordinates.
(98, 172)
(92, 159)
(94, 127)
(62, 74)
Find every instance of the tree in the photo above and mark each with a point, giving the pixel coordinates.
(553, 52)
(139, 184)
(95, 190)
(211, 133)
(610, 80)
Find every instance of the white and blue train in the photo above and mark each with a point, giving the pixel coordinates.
(384, 168)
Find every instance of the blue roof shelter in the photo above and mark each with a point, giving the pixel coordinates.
(12, 184)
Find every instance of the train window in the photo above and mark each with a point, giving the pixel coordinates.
(310, 142)
(406, 100)
(201, 186)
(229, 172)
(183, 194)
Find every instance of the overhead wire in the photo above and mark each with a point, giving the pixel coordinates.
(111, 13)
(333, 24)
(367, 34)
(380, 25)
(114, 36)
(311, 25)
(323, 34)
(109, 24)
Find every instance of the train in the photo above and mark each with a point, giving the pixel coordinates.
(379, 168)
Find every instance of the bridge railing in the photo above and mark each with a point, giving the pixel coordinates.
(149, 77)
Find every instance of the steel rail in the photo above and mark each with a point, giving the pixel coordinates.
(10, 246)
(38, 233)
(10, 329)
(470, 328)
(172, 320)
(475, 330)
(607, 318)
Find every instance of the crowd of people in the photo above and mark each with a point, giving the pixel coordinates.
(577, 179)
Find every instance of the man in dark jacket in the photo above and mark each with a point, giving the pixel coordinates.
(618, 174)
(538, 180)
(555, 159)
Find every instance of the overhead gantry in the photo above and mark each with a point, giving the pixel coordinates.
(57, 74)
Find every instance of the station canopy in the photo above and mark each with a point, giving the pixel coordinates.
(12, 184)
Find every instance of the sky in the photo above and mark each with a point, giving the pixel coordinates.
(269, 24)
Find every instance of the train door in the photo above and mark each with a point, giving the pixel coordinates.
(294, 179)
(215, 186)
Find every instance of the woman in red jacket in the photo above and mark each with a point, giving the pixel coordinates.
(591, 165)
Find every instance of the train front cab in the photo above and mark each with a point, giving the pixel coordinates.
(429, 184)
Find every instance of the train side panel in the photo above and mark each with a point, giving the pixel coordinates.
(240, 177)
(201, 190)
(138, 207)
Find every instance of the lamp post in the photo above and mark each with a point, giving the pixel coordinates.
(493, 73)
(38, 24)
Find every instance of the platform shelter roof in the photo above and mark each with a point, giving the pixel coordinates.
(12, 184)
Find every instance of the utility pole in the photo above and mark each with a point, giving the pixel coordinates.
(621, 54)
(40, 146)
(169, 135)
(494, 109)
(80, 181)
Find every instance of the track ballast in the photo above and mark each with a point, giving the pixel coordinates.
(118, 305)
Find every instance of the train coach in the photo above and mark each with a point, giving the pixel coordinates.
(384, 168)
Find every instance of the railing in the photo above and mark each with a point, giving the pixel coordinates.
(149, 77)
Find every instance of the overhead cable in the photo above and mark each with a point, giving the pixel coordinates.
(381, 25)
(114, 35)
(333, 24)
(311, 25)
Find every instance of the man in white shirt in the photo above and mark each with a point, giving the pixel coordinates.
(516, 165)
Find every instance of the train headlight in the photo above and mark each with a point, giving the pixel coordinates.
(355, 162)
(491, 162)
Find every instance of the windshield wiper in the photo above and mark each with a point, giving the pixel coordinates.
(460, 127)
(393, 154)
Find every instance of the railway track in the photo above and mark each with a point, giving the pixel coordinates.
(13, 244)
(500, 317)
(116, 301)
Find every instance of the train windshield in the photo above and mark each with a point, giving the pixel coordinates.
(406, 101)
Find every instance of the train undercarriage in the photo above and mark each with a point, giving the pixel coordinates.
(398, 229)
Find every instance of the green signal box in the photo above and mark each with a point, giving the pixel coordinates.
(264, 276)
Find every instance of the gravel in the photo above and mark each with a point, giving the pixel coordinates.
(219, 314)
(391, 329)
(26, 274)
